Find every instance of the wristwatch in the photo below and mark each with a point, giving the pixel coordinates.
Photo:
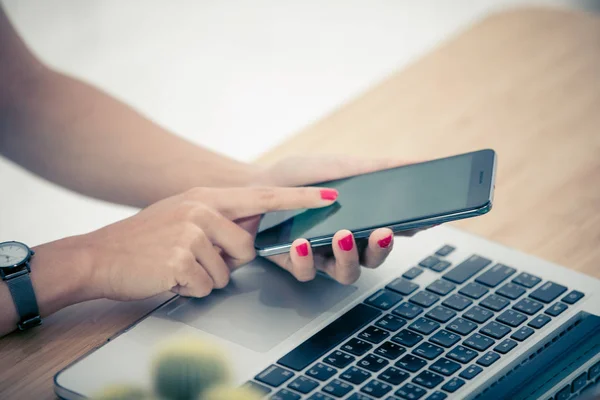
(14, 270)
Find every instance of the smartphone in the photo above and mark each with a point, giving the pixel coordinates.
(407, 197)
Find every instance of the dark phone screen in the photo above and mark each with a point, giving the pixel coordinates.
(381, 198)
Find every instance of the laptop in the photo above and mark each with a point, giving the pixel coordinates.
(449, 315)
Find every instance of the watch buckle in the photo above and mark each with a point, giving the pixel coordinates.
(29, 323)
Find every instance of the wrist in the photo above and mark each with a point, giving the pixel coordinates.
(61, 273)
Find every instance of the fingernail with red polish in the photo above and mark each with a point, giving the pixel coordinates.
(385, 242)
(302, 249)
(346, 243)
(329, 194)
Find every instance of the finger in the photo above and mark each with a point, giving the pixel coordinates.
(193, 280)
(235, 203)
(380, 244)
(209, 258)
(301, 262)
(236, 242)
(345, 268)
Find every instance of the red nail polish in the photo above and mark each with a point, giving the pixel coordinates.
(346, 243)
(302, 250)
(329, 194)
(385, 242)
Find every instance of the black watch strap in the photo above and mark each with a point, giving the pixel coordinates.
(23, 295)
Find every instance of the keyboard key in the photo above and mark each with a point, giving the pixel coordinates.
(329, 337)
(320, 396)
(445, 250)
(390, 350)
(445, 338)
(285, 394)
(374, 335)
(573, 297)
(470, 372)
(339, 359)
(441, 266)
(467, 269)
(424, 299)
(506, 346)
(357, 347)
(527, 280)
(402, 286)
(445, 367)
(394, 376)
(410, 392)
(303, 384)
(429, 262)
(441, 314)
(261, 389)
(474, 290)
(564, 393)
(337, 388)
(488, 359)
(594, 371)
(511, 291)
(355, 375)
(411, 363)
(274, 376)
(495, 330)
(321, 372)
(412, 273)
(391, 323)
(479, 342)
(384, 299)
(407, 338)
(461, 354)
(579, 383)
(548, 292)
(372, 363)
(512, 318)
(457, 302)
(478, 314)
(494, 303)
(495, 275)
(424, 326)
(522, 333)
(358, 396)
(528, 306)
(461, 326)
(428, 351)
(441, 287)
(437, 396)
(539, 321)
(428, 379)
(407, 310)
(376, 389)
(556, 309)
(453, 385)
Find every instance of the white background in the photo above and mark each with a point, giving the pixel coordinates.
(238, 76)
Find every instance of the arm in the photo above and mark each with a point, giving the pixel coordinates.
(77, 136)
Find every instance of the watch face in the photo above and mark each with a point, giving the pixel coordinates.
(12, 253)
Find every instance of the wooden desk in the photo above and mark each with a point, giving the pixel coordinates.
(526, 83)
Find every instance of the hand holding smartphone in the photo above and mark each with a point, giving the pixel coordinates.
(403, 198)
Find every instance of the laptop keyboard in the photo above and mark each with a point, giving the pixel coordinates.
(411, 342)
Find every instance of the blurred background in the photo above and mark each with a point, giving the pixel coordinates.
(237, 76)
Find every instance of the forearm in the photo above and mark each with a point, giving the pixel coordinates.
(75, 135)
(79, 137)
(61, 274)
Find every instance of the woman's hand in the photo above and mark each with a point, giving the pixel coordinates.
(187, 243)
(344, 264)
